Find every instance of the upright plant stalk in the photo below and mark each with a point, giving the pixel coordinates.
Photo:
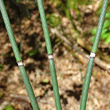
(50, 56)
(92, 56)
(17, 55)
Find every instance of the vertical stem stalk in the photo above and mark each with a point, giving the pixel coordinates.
(92, 56)
(17, 56)
(49, 50)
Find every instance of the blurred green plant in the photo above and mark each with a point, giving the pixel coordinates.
(9, 107)
(22, 0)
(105, 32)
(17, 0)
(1, 67)
(46, 80)
(66, 5)
(32, 52)
(35, 50)
(56, 2)
(53, 20)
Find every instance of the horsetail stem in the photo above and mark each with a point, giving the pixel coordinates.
(17, 56)
(49, 50)
(92, 56)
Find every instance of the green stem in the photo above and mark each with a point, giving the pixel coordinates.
(17, 56)
(49, 50)
(45, 27)
(91, 61)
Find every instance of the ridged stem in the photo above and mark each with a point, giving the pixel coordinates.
(91, 60)
(17, 56)
(49, 50)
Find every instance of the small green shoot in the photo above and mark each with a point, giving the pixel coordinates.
(32, 52)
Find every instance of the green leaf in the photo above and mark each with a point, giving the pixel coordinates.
(105, 36)
(45, 80)
(107, 15)
(70, 4)
(94, 31)
(81, 2)
(92, 39)
(107, 40)
(32, 52)
(106, 24)
(104, 31)
(9, 107)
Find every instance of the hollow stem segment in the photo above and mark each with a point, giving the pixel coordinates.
(49, 50)
(91, 60)
(17, 56)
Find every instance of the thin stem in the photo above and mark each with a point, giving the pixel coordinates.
(91, 61)
(17, 56)
(49, 50)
